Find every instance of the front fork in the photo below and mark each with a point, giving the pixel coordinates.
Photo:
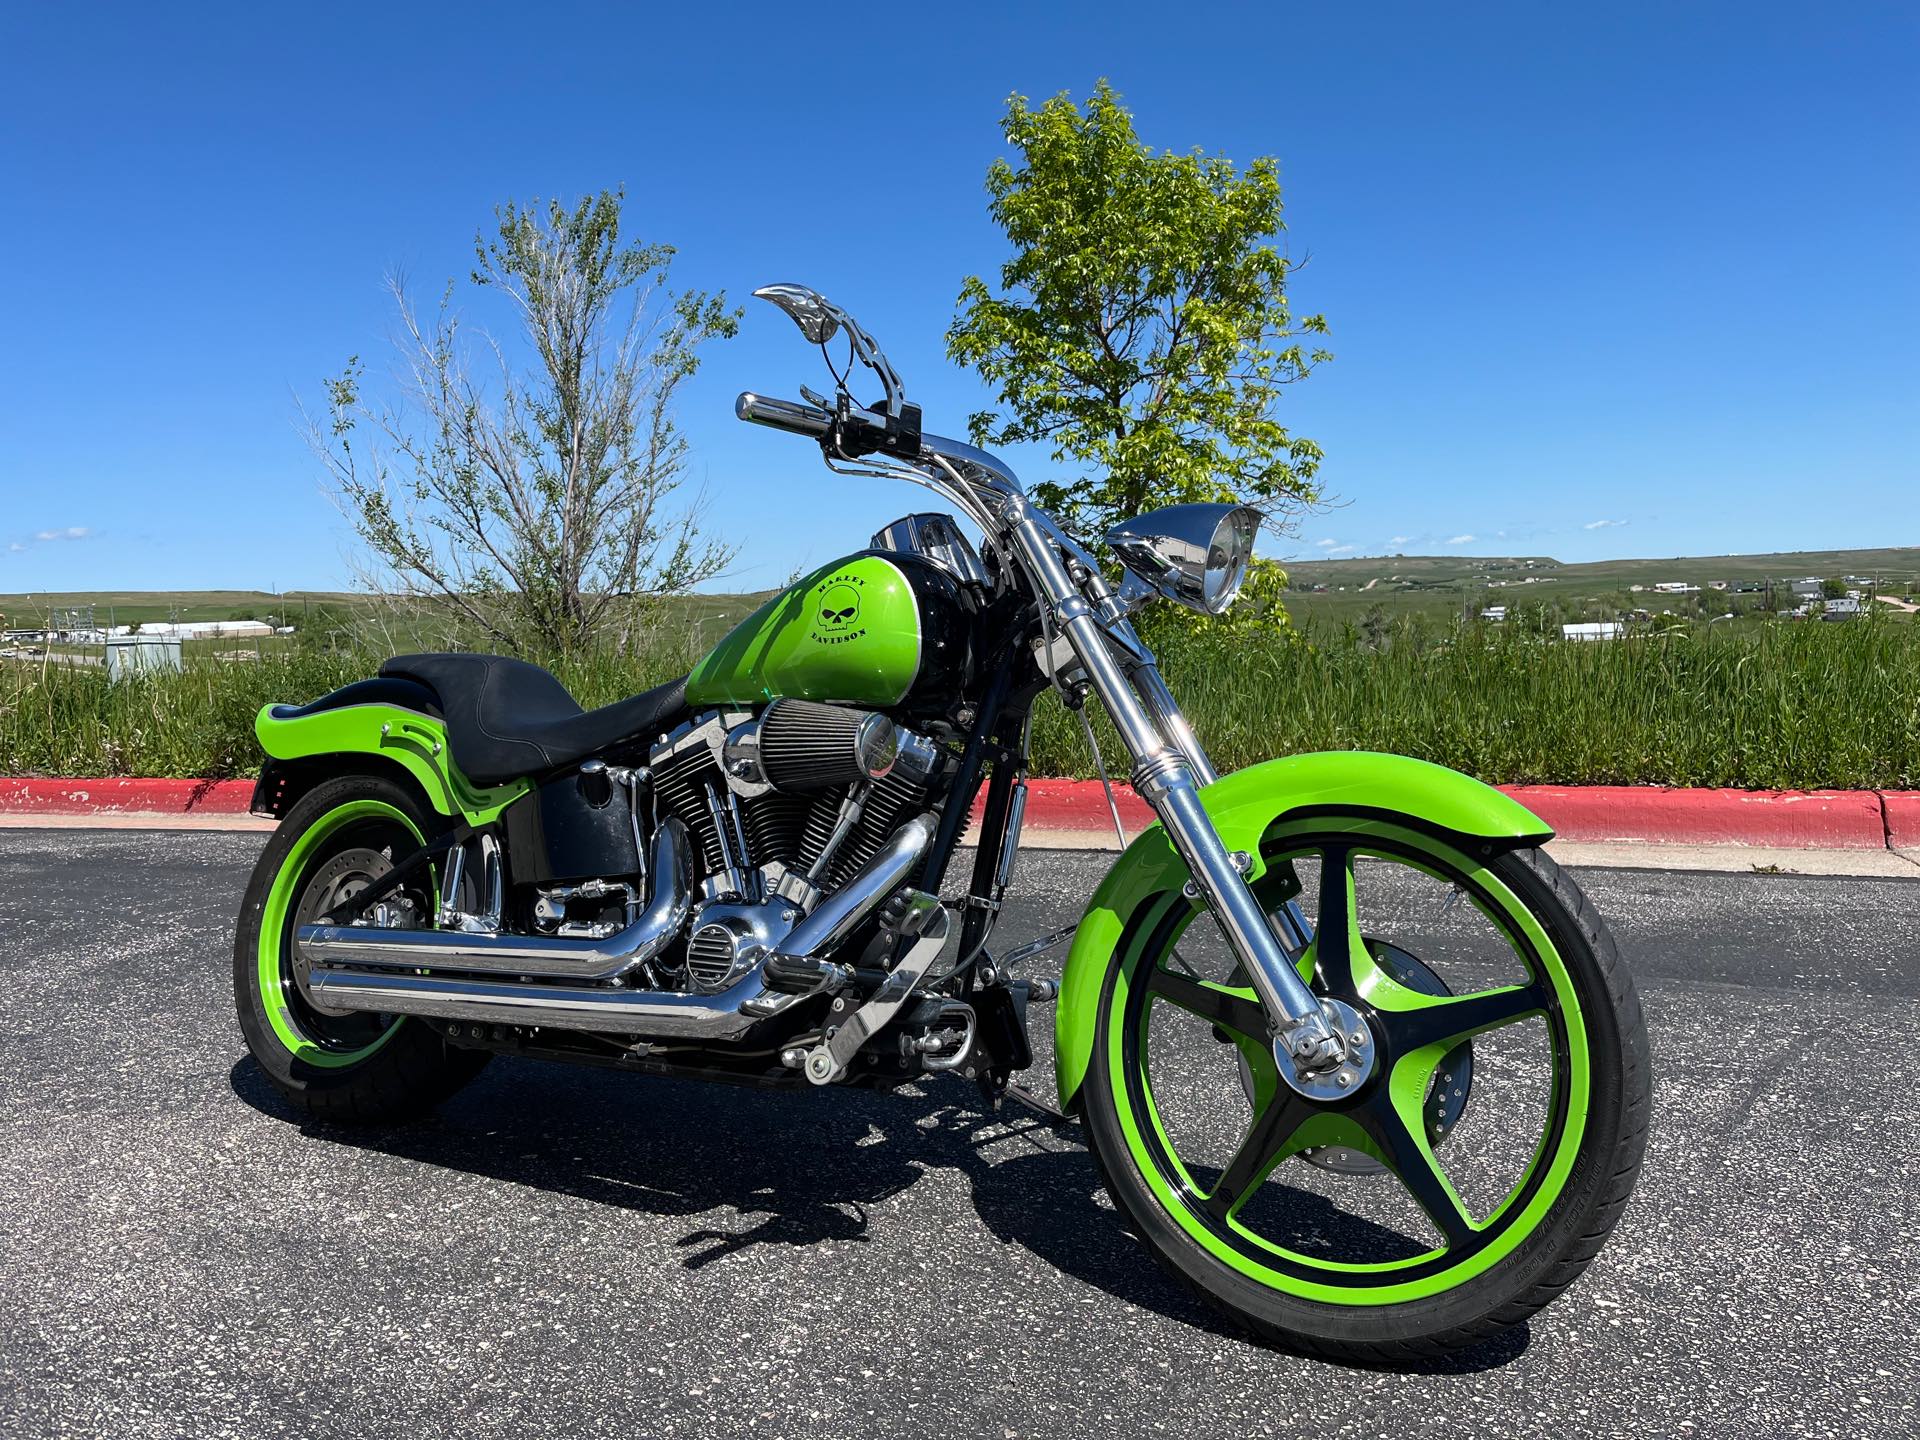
(1168, 769)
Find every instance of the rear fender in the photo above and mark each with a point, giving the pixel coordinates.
(300, 740)
(1244, 806)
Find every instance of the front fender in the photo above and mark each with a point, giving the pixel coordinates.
(1243, 806)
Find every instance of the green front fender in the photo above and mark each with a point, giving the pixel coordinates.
(416, 743)
(1243, 807)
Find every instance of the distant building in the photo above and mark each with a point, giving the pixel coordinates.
(1496, 614)
(1716, 584)
(1846, 607)
(207, 629)
(1675, 587)
(1593, 630)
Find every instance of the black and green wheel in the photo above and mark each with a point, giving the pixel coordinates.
(1448, 1183)
(343, 835)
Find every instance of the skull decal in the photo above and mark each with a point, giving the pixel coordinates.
(839, 609)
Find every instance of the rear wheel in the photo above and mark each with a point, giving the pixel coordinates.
(1449, 1183)
(339, 1065)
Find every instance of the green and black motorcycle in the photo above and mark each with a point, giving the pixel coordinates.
(1388, 1095)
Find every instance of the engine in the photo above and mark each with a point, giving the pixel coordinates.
(782, 807)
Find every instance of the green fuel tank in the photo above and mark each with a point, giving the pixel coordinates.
(883, 629)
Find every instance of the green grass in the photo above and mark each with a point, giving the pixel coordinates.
(1772, 706)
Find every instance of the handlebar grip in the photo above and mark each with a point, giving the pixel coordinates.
(788, 415)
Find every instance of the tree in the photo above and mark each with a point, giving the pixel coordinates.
(534, 502)
(1141, 328)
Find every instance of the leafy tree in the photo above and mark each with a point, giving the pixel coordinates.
(1833, 587)
(533, 502)
(1141, 328)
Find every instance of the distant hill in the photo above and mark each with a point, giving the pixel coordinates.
(1901, 563)
(1439, 583)
(133, 607)
(1446, 583)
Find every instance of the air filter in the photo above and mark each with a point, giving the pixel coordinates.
(808, 746)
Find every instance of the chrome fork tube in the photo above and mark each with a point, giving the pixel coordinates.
(1296, 931)
(1164, 775)
(1171, 719)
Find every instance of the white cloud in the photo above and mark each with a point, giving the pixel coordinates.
(1460, 540)
(1326, 544)
(1340, 549)
(1602, 524)
(47, 537)
(1399, 539)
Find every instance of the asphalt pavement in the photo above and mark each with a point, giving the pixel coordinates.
(569, 1252)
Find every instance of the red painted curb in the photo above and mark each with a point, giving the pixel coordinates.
(1797, 819)
(122, 796)
(1793, 819)
(1903, 818)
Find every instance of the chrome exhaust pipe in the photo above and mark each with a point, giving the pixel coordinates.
(723, 1016)
(837, 916)
(564, 1007)
(545, 957)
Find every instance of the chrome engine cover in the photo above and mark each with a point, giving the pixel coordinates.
(727, 939)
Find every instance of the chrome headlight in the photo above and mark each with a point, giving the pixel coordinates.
(1196, 554)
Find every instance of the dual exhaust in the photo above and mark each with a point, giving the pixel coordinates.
(574, 984)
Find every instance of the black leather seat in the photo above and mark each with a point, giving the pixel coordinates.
(506, 718)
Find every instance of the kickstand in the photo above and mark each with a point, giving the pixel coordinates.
(1036, 1104)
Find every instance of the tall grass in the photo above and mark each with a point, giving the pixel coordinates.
(1775, 706)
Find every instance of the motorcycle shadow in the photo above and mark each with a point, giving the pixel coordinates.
(789, 1168)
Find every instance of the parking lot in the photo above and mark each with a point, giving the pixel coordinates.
(569, 1252)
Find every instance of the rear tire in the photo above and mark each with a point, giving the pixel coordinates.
(351, 1068)
(1277, 1294)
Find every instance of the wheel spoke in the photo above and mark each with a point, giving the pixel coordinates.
(1233, 1010)
(1448, 1019)
(1260, 1150)
(1403, 1146)
(1336, 935)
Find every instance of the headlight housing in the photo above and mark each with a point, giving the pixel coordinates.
(1195, 554)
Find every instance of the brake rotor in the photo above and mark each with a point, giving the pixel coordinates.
(338, 879)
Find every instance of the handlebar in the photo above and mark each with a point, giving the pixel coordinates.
(979, 469)
(788, 415)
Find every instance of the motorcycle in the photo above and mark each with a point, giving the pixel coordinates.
(1373, 1148)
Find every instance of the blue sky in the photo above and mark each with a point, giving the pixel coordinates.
(1621, 280)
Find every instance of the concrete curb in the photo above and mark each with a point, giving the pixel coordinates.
(1784, 819)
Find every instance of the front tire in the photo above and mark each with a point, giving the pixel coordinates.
(1250, 1235)
(337, 1066)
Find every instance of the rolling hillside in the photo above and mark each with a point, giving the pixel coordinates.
(1446, 583)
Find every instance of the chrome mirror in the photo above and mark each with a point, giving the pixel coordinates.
(1195, 554)
(808, 309)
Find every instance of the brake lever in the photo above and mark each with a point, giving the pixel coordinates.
(815, 398)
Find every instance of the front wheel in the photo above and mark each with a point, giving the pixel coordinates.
(1453, 1178)
(338, 1065)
